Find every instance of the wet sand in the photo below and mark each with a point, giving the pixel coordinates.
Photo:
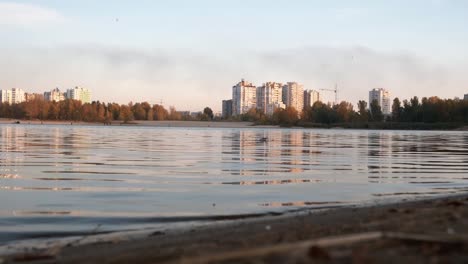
(426, 231)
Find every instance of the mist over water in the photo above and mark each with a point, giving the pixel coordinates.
(64, 180)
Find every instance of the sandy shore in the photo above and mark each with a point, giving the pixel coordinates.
(215, 124)
(427, 231)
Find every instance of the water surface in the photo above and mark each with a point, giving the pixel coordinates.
(64, 180)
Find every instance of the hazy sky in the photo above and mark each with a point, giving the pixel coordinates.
(190, 53)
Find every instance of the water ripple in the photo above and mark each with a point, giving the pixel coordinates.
(112, 176)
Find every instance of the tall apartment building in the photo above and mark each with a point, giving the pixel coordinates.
(382, 97)
(270, 97)
(227, 109)
(310, 97)
(466, 97)
(294, 95)
(54, 95)
(5, 96)
(17, 96)
(244, 97)
(79, 94)
(13, 96)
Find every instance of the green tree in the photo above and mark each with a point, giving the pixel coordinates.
(397, 110)
(376, 111)
(363, 111)
(344, 111)
(208, 112)
(415, 113)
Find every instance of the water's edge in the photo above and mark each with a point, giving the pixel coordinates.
(56, 243)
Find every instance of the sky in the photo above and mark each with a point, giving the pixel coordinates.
(189, 54)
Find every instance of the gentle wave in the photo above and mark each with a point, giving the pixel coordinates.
(128, 177)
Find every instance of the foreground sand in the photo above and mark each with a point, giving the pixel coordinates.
(428, 231)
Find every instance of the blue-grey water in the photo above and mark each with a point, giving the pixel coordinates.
(65, 180)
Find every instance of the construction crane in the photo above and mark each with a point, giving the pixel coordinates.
(159, 101)
(333, 90)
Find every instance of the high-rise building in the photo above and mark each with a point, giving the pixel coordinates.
(466, 97)
(227, 108)
(54, 95)
(13, 96)
(270, 97)
(382, 97)
(310, 97)
(5, 96)
(17, 96)
(244, 97)
(79, 94)
(294, 95)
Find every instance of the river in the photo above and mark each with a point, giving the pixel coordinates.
(64, 180)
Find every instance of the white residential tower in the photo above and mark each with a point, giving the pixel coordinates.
(382, 97)
(244, 97)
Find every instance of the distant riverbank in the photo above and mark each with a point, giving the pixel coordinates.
(389, 125)
(240, 124)
(215, 124)
(167, 123)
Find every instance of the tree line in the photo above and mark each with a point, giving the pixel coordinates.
(73, 110)
(428, 110)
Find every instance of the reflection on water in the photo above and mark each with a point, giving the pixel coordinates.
(268, 182)
(88, 176)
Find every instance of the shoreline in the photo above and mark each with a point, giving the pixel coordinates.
(240, 124)
(167, 123)
(356, 230)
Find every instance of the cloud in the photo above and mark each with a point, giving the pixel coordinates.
(27, 14)
(192, 80)
(356, 70)
(185, 79)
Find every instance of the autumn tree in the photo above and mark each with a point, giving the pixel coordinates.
(139, 112)
(32, 108)
(5, 110)
(173, 114)
(286, 117)
(148, 111)
(126, 113)
(44, 110)
(254, 115)
(159, 113)
(54, 111)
